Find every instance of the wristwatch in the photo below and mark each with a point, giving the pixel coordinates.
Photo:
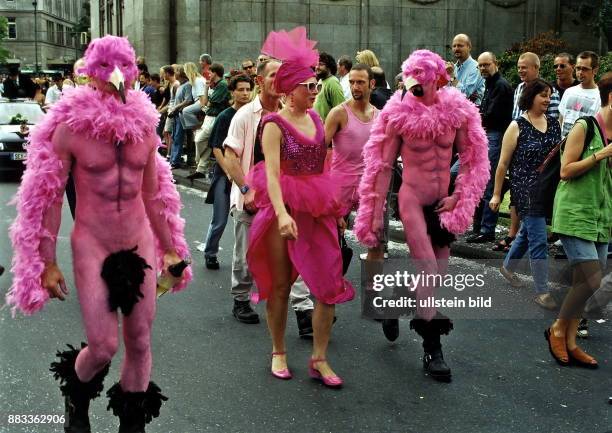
(244, 189)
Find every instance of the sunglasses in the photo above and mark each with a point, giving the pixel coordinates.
(247, 67)
(560, 66)
(312, 86)
(583, 68)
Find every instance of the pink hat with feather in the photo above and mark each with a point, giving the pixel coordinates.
(297, 54)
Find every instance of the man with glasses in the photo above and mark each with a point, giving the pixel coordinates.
(564, 70)
(496, 114)
(248, 67)
(582, 100)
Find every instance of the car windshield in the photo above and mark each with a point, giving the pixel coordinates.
(20, 110)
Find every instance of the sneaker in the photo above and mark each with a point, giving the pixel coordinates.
(481, 238)
(546, 301)
(511, 277)
(212, 263)
(243, 312)
(583, 329)
(304, 322)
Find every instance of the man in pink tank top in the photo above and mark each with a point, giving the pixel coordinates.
(347, 128)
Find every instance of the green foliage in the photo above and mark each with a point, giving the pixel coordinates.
(18, 119)
(3, 34)
(546, 46)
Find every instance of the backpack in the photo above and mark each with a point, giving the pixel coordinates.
(542, 194)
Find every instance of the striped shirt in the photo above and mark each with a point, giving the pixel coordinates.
(553, 108)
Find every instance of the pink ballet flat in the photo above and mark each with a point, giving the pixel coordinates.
(283, 374)
(329, 381)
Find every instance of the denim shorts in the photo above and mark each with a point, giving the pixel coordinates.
(580, 250)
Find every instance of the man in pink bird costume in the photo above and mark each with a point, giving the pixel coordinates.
(127, 226)
(423, 124)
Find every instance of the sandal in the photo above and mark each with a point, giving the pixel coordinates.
(580, 358)
(557, 347)
(504, 244)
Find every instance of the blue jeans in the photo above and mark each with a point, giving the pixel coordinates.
(531, 237)
(220, 215)
(489, 218)
(178, 136)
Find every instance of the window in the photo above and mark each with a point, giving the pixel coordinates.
(75, 10)
(109, 17)
(12, 28)
(59, 34)
(67, 9)
(50, 31)
(48, 5)
(102, 16)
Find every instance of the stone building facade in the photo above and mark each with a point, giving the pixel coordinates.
(167, 31)
(57, 45)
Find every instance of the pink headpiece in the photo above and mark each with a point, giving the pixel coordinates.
(424, 66)
(297, 54)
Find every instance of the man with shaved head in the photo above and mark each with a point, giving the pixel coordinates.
(528, 66)
(496, 114)
(468, 79)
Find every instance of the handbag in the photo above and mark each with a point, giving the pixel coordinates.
(542, 194)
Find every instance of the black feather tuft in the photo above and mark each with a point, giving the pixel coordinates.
(135, 406)
(70, 385)
(439, 236)
(124, 273)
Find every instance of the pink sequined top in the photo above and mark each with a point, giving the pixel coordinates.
(300, 155)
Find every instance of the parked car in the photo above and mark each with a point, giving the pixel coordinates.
(16, 119)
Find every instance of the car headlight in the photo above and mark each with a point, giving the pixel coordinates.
(1, 146)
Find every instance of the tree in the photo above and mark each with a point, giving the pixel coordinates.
(3, 34)
(604, 22)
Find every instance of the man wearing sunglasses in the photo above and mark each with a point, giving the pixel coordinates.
(248, 67)
(582, 100)
(564, 70)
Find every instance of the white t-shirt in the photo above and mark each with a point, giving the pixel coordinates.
(199, 88)
(578, 102)
(53, 95)
(346, 87)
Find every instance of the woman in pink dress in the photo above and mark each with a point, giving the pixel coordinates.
(295, 229)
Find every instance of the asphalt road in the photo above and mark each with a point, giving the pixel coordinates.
(216, 371)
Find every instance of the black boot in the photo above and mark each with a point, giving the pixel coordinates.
(135, 409)
(76, 393)
(433, 359)
(304, 322)
(243, 312)
(391, 328)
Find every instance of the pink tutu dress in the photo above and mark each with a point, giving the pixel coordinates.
(309, 194)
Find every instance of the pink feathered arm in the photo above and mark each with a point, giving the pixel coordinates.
(474, 172)
(379, 154)
(169, 197)
(34, 231)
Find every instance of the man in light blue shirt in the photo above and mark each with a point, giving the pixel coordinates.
(468, 79)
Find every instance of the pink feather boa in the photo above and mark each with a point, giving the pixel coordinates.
(411, 119)
(87, 112)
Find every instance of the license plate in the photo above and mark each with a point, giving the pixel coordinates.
(18, 156)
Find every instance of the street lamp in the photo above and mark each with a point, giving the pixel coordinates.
(35, 4)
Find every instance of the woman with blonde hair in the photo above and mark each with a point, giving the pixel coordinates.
(367, 57)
